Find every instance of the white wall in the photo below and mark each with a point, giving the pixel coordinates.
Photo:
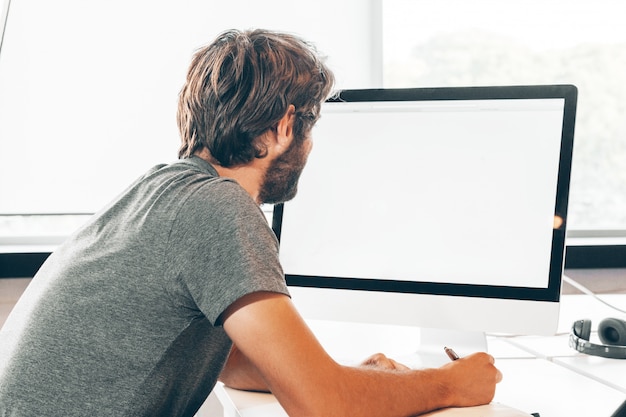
(88, 90)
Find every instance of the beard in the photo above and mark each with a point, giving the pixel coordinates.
(281, 178)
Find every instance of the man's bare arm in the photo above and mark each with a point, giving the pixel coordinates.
(269, 332)
(240, 373)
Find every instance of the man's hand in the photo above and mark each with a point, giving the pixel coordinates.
(240, 373)
(469, 376)
(380, 361)
(472, 379)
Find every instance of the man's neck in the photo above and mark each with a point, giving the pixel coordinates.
(249, 176)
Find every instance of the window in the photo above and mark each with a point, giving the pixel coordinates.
(428, 43)
(88, 92)
(45, 70)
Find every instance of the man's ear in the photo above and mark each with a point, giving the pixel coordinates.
(284, 128)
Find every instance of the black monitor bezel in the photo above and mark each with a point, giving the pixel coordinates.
(552, 293)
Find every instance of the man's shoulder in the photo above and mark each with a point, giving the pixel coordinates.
(198, 180)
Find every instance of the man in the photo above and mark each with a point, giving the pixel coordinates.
(177, 282)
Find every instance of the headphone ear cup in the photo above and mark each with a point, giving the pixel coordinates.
(612, 332)
(582, 328)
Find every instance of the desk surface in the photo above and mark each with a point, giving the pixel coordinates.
(541, 374)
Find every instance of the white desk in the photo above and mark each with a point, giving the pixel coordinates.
(541, 374)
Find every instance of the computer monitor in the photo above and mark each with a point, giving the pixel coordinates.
(440, 208)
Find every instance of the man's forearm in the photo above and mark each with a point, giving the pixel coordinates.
(240, 373)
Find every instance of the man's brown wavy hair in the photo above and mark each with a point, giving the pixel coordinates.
(241, 85)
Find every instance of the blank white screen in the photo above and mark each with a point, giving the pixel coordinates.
(450, 192)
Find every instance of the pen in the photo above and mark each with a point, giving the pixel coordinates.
(451, 353)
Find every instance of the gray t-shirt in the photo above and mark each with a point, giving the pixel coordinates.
(122, 319)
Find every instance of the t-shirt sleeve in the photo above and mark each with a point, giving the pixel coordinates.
(222, 248)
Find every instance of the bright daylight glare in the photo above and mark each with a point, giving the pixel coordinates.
(434, 43)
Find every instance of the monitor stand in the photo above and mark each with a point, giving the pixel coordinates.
(430, 350)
